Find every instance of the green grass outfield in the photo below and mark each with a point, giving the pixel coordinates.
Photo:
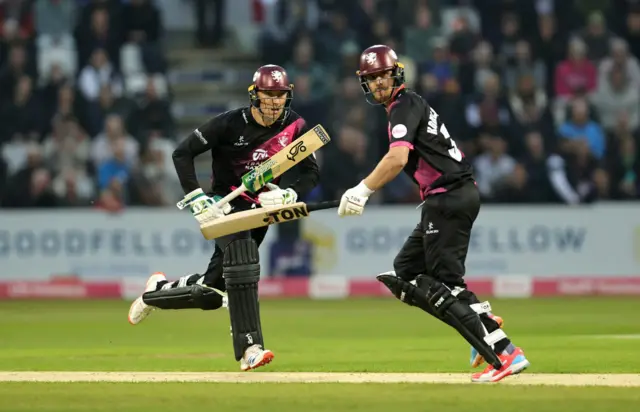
(560, 336)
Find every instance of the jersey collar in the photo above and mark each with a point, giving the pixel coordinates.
(394, 96)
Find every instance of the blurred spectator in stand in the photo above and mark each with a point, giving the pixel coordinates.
(16, 24)
(16, 66)
(99, 35)
(620, 57)
(153, 180)
(418, 38)
(73, 188)
(332, 38)
(285, 20)
(143, 27)
(617, 94)
(463, 40)
(551, 47)
(30, 186)
(97, 73)
(438, 63)
(596, 37)
(66, 106)
(623, 164)
(488, 111)
(22, 116)
(54, 20)
(50, 89)
(153, 113)
(210, 20)
(493, 168)
(109, 104)
(351, 154)
(579, 128)
(102, 145)
(531, 112)
(534, 162)
(320, 82)
(524, 64)
(473, 73)
(67, 147)
(576, 73)
(631, 30)
(511, 35)
(116, 167)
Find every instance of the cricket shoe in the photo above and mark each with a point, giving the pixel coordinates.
(476, 358)
(512, 364)
(254, 357)
(140, 310)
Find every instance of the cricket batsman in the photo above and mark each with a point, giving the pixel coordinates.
(429, 269)
(239, 140)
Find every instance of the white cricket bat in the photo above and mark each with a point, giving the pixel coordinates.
(261, 216)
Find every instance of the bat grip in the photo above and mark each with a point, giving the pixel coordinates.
(228, 198)
(323, 205)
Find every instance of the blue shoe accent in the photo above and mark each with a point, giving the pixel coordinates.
(474, 353)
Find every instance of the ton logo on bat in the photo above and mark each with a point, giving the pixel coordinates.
(286, 214)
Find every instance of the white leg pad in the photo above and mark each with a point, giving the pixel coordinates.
(495, 336)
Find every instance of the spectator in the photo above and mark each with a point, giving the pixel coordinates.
(463, 40)
(116, 167)
(575, 74)
(623, 165)
(351, 153)
(68, 146)
(22, 117)
(493, 167)
(596, 37)
(631, 30)
(54, 20)
(154, 113)
(438, 64)
(13, 69)
(523, 63)
(108, 104)
(488, 111)
(551, 47)
(617, 94)
(620, 57)
(102, 145)
(143, 27)
(332, 39)
(74, 188)
(304, 64)
(98, 73)
(418, 39)
(99, 35)
(580, 128)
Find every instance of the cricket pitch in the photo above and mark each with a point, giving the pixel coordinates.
(611, 380)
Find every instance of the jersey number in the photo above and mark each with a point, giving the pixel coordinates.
(453, 152)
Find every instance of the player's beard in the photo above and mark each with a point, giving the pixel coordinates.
(270, 114)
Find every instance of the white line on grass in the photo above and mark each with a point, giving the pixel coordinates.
(619, 380)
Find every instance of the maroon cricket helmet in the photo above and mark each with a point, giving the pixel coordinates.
(271, 77)
(378, 59)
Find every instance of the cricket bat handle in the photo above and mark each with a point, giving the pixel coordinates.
(323, 205)
(228, 198)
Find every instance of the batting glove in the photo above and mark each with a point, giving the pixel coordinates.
(203, 207)
(353, 200)
(277, 197)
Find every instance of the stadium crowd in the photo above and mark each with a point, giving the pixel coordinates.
(543, 96)
(84, 105)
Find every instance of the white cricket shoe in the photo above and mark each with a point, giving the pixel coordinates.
(254, 357)
(140, 310)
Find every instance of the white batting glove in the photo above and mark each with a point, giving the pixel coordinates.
(203, 207)
(277, 197)
(354, 199)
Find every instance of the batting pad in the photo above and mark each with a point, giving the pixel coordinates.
(241, 272)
